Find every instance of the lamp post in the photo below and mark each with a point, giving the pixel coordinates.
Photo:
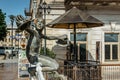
(34, 8)
(18, 37)
(44, 9)
(12, 21)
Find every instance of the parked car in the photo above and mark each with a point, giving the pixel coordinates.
(11, 52)
(2, 53)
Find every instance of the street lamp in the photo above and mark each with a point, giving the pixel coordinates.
(18, 37)
(34, 8)
(12, 21)
(44, 9)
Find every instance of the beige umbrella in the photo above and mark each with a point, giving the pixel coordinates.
(73, 19)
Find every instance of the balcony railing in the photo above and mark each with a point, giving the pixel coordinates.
(90, 4)
(68, 1)
(85, 72)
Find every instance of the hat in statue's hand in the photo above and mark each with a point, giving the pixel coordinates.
(22, 23)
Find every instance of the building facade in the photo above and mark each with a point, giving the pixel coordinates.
(16, 40)
(100, 44)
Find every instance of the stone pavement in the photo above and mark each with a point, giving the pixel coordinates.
(9, 61)
(9, 70)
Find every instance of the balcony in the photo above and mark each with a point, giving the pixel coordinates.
(85, 72)
(68, 1)
(82, 4)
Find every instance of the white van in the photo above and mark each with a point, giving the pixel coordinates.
(8, 51)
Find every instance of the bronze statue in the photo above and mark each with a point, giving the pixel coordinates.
(34, 41)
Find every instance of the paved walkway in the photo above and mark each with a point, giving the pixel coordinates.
(9, 71)
(9, 61)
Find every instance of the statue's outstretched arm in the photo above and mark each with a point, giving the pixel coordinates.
(60, 39)
(51, 37)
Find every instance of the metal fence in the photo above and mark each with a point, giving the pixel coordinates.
(82, 72)
(85, 72)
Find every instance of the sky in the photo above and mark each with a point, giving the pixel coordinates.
(13, 7)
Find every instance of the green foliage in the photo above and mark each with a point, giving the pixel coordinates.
(48, 52)
(3, 26)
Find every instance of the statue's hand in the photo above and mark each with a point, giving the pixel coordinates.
(62, 41)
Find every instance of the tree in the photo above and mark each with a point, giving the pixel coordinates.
(3, 26)
(49, 53)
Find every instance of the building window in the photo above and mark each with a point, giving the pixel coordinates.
(98, 51)
(81, 39)
(82, 52)
(111, 46)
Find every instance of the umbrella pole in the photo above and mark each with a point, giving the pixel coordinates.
(75, 48)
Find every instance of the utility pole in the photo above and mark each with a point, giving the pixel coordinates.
(12, 22)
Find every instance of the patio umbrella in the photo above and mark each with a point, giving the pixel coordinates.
(74, 19)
